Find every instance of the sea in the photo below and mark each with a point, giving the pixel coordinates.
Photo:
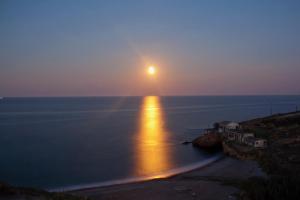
(66, 143)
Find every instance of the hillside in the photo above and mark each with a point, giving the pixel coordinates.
(281, 160)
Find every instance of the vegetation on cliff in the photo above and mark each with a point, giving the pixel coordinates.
(281, 160)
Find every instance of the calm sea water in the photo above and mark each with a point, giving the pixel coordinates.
(64, 142)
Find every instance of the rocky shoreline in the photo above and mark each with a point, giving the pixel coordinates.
(280, 159)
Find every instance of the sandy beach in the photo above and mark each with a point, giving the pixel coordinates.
(202, 183)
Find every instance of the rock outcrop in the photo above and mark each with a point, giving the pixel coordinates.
(208, 141)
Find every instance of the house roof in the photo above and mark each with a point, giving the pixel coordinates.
(225, 123)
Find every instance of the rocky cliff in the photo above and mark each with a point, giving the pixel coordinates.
(208, 141)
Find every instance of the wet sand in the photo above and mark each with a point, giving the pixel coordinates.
(202, 183)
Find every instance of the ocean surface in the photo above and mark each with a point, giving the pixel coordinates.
(74, 142)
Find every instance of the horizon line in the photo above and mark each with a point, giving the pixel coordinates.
(91, 96)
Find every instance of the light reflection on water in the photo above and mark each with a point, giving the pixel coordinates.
(153, 156)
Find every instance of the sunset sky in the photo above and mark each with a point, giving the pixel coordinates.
(85, 47)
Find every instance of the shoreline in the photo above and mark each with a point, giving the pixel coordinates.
(224, 177)
(203, 182)
(171, 173)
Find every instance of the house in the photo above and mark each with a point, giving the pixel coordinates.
(233, 135)
(249, 140)
(255, 142)
(232, 126)
(246, 135)
(260, 143)
(239, 136)
(226, 125)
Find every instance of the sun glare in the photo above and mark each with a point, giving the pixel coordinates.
(151, 70)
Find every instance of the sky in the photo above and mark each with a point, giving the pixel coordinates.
(103, 47)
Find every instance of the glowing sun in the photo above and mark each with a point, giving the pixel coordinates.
(151, 70)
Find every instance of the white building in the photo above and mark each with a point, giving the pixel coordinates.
(260, 143)
(246, 135)
(232, 126)
(227, 126)
(255, 142)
